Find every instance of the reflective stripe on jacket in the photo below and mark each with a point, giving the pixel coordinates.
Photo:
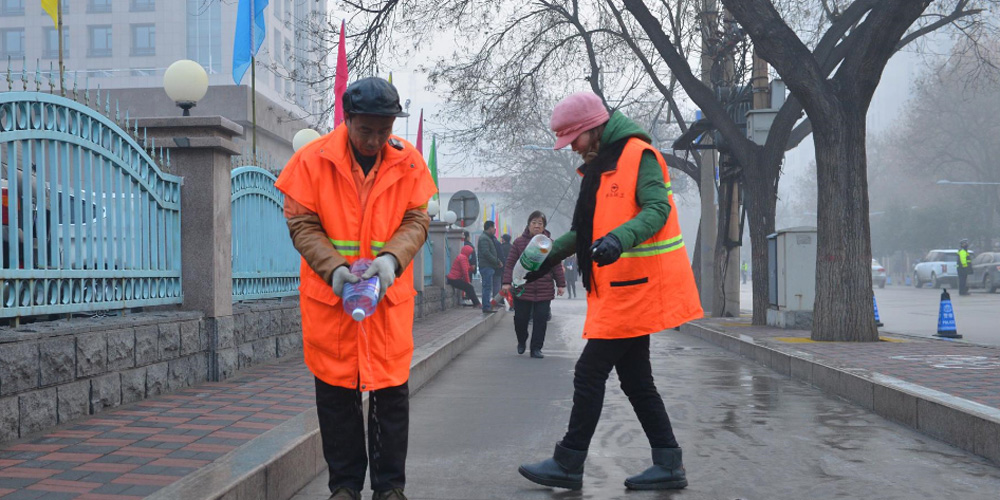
(651, 287)
(374, 353)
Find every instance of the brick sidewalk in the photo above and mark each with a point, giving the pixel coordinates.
(968, 371)
(133, 451)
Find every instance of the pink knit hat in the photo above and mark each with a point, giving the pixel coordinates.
(575, 115)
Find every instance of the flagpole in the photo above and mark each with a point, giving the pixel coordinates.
(253, 97)
(59, 29)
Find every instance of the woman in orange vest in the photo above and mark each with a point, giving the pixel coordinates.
(631, 258)
(359, 193)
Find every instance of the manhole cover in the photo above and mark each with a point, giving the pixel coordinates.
(954, 361)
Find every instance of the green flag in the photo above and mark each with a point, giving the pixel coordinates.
(432, 164)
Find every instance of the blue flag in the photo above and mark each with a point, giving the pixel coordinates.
(247, 42)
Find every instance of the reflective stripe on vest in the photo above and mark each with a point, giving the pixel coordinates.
(349, 248)
(655, 248)
(670, 191)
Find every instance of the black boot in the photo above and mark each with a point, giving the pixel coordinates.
(667, 472)
(563, 470)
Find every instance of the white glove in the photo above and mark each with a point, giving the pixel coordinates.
(343, 275)
(384, 266)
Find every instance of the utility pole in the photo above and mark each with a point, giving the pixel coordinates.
(709, 25)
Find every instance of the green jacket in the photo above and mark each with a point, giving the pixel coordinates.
(651, 194)
(488, 256)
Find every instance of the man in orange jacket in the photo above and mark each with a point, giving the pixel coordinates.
(359, 192)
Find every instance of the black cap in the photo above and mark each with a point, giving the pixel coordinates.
(372, 96)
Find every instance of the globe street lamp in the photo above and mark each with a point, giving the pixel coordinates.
(303, 137)
(450, 217)
(433, 208)
(186, 83)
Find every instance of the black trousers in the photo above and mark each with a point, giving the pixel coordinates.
(963, 282)
(470, 291)
(571, 288)
(630, 358)
(538, 313)
(342, 427)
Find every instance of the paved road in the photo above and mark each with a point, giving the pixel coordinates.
(912, 311)
(747, 432)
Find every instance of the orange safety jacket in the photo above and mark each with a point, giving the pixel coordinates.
(374, 353)
(651, 287)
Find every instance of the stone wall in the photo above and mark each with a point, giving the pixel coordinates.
(54, 372)
(57, 371)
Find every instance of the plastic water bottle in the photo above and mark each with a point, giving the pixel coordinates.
(361, 298)
(534, 254)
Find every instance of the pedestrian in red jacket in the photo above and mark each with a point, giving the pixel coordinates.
(458, 277)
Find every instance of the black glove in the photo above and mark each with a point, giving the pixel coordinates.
(547, 266)
(606, 250)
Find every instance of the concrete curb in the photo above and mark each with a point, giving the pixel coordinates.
(283, 460)
(959, 422)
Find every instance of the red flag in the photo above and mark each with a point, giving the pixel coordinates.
(420, 133)
(340, 79)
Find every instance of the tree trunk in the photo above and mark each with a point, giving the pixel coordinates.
(725, 306)
(843, 309)
(761, 202)
(696, 258)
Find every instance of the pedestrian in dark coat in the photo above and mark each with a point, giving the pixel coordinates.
(535, 300)
(570, 268)
(505, 247)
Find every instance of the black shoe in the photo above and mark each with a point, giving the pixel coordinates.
(520, 347)
(344, 493)
(393, 494)
(667, 472)
(537, 353)
(563, 470)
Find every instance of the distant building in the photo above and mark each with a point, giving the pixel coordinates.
(125, 46)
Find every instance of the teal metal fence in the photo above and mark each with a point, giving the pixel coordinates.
(265, 264)
(90, 222)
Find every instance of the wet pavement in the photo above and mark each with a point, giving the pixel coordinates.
(747, 432)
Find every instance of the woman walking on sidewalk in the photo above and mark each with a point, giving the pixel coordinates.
(535, 302)
(632, 262)
(458, 277)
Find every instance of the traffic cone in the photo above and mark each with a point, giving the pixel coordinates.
(946, 318)
(878, 322)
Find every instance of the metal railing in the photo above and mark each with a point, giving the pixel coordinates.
(265, 264)
(90, 222)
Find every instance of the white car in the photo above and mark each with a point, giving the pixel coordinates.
(878, 274)
(937, 268)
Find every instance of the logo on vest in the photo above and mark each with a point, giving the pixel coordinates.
(615, 192)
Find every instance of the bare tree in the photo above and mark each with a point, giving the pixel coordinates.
(853, 49)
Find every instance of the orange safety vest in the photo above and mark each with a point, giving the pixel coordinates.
(374, 353)
(651, 287)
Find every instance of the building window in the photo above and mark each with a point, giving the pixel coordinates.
(99, 6)
(204, 34)
(13, 42)
(100, 41)
(143, 5)
(51, 36)
(12, 8)
(144, 72)
(143, 39)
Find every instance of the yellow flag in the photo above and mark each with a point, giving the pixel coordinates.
(52, 7)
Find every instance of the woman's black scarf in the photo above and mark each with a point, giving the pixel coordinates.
(583, 216)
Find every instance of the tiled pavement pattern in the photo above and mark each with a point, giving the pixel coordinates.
(968, 371)
(131, 452)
